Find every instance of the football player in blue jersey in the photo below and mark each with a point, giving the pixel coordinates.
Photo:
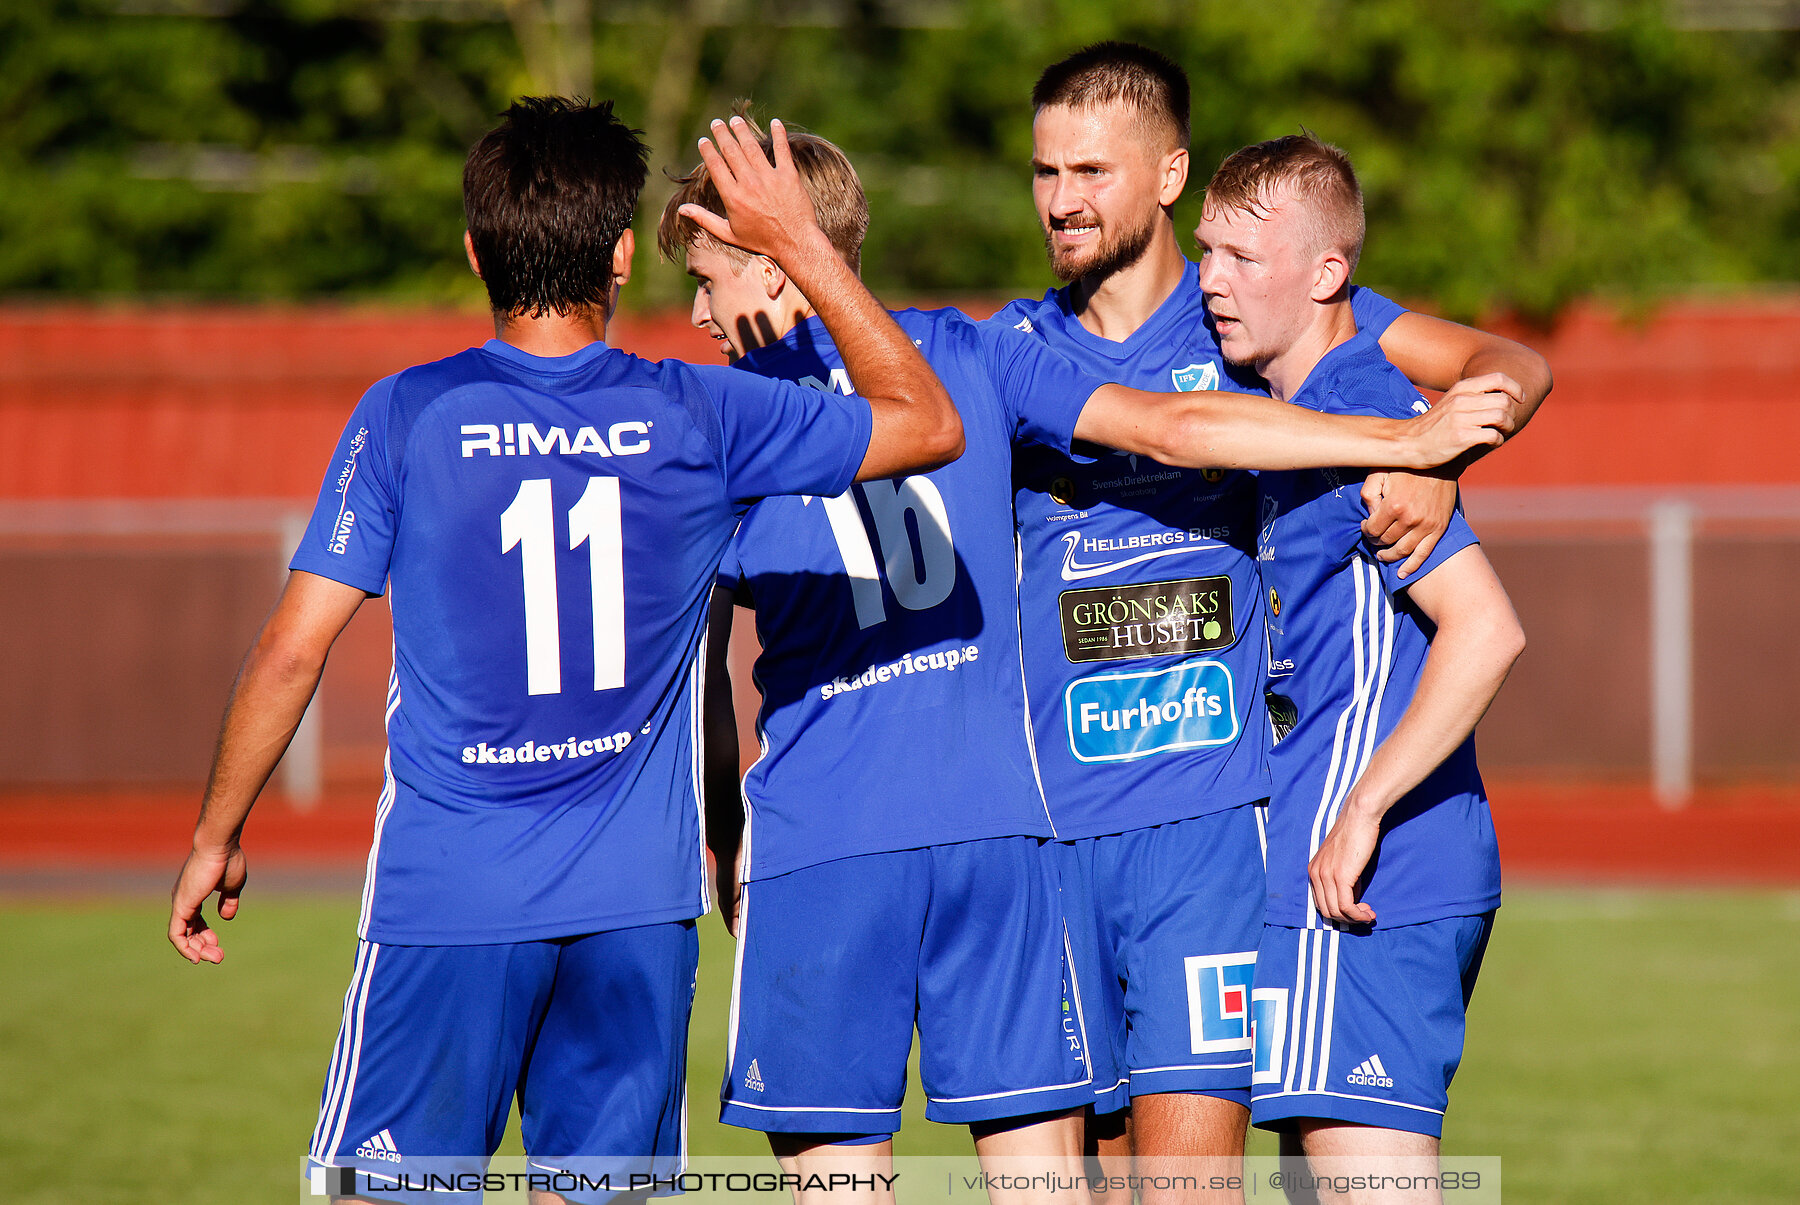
(549, 514)
(1166, 834)
(901, 880)
(1383, 873)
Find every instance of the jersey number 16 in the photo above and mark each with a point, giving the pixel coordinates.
(919, 581)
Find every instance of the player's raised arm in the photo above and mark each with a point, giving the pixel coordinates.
(273, 687)
(767, 212)
(1478, 638)
(1239, 431)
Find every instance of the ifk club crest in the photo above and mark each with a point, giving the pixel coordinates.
(1195, 377)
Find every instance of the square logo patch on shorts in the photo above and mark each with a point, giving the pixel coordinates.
(1218, 992)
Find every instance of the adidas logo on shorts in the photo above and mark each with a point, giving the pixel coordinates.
(1371, 1073)
(753, 1079)
(379, 1147)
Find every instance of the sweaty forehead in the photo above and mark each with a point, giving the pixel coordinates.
(1275, 217)
(1100, 131)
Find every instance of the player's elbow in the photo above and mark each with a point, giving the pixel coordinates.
(1540, 365)
(1505, 639)
(943, 441)
(1536, 380)
(912, 436)
(286, 654)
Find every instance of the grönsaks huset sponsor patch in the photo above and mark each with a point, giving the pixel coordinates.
(1149, 619)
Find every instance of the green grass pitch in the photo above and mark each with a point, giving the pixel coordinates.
(1623, 1046)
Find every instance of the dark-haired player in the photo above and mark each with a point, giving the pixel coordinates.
(1168, 843)
(548, 513)
(1383, 872)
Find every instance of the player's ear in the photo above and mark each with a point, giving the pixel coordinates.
(773, 278)
(623, 250)
(1331, 275)
(1174, 176)
(469, 250)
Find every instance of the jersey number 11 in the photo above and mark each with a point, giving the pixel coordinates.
(529, 524)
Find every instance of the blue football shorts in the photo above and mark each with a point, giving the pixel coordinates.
(1167, 953)
(1363, 1026)
(589, 1032)
(836, 961)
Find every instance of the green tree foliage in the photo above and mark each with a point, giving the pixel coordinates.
(1515, 153)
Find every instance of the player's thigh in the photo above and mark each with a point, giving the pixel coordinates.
(429, 1051)
(1189, 1126)
(824, 994)
(1363, 1027)
(1189, 897)
(999, 1033)
(1368, 1165)
(605, 1085)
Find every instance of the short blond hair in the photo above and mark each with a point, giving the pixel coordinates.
(1313, 172)
(825, 171)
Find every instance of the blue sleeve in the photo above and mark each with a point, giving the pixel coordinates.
(1374, 313)
(1458, 536)
(1042, 392)
(782, 438)
(351, 535)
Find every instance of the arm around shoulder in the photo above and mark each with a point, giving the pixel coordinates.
(1249, 431)
(1437, 354)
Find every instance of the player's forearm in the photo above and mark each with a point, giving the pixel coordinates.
(916, 426)
(1239, 431)
(1469, 660)
(1527, 367)
(273, 689)
(1435, 354)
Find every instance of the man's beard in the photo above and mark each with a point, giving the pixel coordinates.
(1113, 253)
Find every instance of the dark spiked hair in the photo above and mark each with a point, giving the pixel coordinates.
(547, 193)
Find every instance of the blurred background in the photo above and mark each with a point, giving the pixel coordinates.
(220, 220)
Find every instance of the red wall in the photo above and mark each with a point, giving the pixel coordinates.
(215, 403)
(1700, 393)
(195, 403)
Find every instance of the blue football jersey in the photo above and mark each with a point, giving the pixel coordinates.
(1346, 647)
(550, 530)
(1143, 643)
(893, 709)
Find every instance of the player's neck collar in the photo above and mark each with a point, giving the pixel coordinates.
(1325, 366)
(1167, 311)
(575, 360)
